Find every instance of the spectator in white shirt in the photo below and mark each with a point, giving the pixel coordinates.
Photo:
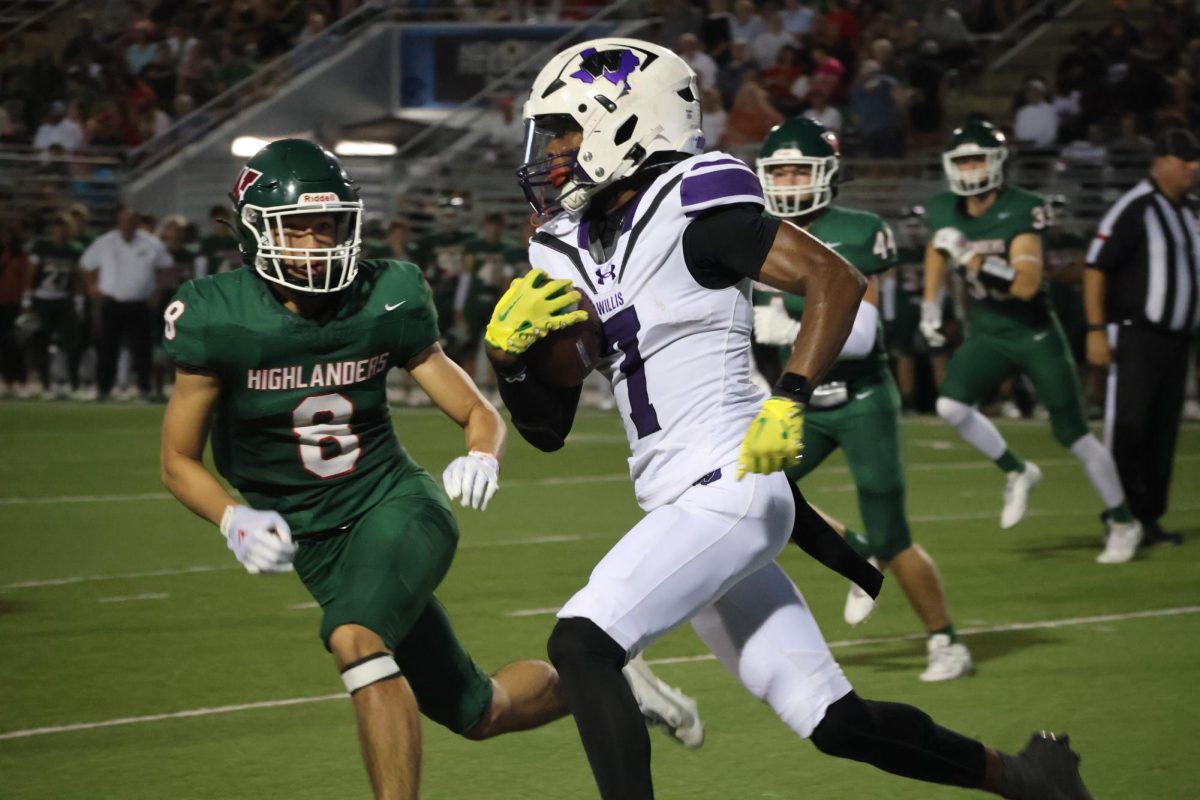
(766, 45)
(714, 119)
(126, 270)
(745, 23)
(58, 129)
(691, 50)
(797, 18)
(1037, 122)
(820, 110)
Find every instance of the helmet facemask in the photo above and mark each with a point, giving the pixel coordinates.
(539, 169)
(974, 181)
(797, 199)
(316, 270)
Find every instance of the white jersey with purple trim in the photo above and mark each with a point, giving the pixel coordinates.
(677, 354)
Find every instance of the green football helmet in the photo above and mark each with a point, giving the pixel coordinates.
(976, 138)
(799, 142)
(288, 178)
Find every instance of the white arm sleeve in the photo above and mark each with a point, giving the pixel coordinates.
(887, 296)
(862, 335)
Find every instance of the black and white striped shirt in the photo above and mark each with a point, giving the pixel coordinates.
(1149, 250)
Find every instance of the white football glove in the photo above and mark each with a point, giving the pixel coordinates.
(261, 540)
(472, 479)
(772, 325)
(931, 323)
(954, 245)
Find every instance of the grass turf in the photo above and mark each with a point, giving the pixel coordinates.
(81, 506)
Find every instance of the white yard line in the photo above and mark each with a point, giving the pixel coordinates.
(131, 598)
(114, 577)
(293, 701)
(532, 612)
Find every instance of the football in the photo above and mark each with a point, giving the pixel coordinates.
(564, 358)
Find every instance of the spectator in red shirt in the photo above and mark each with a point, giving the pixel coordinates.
(847, 23)
(752, 115)
(828, 74)
(14, 267)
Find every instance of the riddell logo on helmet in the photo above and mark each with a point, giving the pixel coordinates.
(318, 197)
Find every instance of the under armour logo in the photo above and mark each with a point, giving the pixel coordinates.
(615, 66)
(602, 275)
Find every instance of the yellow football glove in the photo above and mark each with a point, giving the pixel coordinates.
(532, 307)
(775, 438)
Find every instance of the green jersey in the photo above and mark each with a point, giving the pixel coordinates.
(217, 254)
(54, 269)
(866, 241)
(1014, 212)
(302, 424)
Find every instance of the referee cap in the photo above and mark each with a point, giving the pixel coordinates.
(1178, 142)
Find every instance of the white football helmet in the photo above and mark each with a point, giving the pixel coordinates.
(630, 99)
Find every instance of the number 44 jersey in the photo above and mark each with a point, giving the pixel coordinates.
(302, 424)
(676, 353)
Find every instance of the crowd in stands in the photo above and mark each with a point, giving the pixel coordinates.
(118, 78)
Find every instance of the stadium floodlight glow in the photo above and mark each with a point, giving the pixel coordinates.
(246, 146)
(353, 148)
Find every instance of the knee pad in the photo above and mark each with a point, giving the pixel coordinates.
(576, 641)
(953, 411)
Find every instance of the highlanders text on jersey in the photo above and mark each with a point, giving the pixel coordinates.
(302, 424)
(678, 354)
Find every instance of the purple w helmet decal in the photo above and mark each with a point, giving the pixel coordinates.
(615, 66)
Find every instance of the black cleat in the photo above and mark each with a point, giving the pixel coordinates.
(1051, 768)
(1153, 534)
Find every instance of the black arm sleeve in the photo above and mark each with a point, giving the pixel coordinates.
(727, 244)
(542, 414)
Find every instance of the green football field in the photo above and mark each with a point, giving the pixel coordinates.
(140, 661)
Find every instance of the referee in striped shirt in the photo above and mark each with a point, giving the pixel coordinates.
(1142, 298)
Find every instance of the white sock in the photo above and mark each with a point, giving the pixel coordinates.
(975, 428)
(1100, 468)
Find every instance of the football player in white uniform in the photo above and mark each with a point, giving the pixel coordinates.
(666, 241)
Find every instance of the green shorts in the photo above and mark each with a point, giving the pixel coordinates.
(381, 574)
(867, 428)
(989, 355)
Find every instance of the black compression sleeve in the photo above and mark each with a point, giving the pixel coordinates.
(727, 244)
(542, 414)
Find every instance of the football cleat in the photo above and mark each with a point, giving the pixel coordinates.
(1016, 494)
(947, 660)
(1122, 542)
(859, 604)
(1049, 770)
(665, 706)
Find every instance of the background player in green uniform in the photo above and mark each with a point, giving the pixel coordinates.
(857, 408)
(291, 355)
(993, 234)
(53, 301)
(492, 261)
(901, 293)
(218, 250)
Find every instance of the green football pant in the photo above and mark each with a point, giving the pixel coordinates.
(381, 574)
(985, 359)
(867, 428)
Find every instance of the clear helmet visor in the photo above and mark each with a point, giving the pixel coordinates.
(548, 178)
(311, 247)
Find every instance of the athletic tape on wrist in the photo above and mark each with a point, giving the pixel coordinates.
(368, 670)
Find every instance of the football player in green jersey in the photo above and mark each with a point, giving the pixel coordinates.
(54, 300)
(857, 408)
(288, 355)
(992, 233)
(219, 249)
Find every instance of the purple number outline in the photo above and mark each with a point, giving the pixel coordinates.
(620, 332)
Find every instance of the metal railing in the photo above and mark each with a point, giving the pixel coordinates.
(36, 15)
(32, 184)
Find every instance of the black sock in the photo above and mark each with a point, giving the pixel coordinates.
(899, 739)
(610, 725)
